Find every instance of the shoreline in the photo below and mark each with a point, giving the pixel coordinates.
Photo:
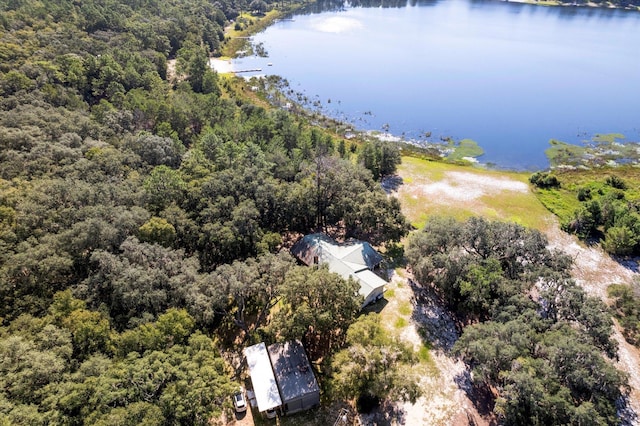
(221, 66)
(589, 4)
(438, 151)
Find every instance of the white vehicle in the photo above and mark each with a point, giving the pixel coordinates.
(239, 401)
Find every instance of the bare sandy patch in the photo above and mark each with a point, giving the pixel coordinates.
(444, 380)
(221, 66)
(463, 186)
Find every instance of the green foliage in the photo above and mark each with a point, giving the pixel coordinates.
(242, 292)
(620, 240)
(543, 353)
(626, 305)
(380, 157)
(584, 194)
(544, 180)
(374, 365)
(142, 281)
(616, 182)
(141, 203)
(158, 230)
(476, 265)
(318, 306)
(607, 209)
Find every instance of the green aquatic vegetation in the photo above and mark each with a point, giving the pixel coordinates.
(601, 150)
(464, 149)
(563, 153)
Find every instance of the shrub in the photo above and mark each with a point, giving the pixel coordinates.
(584, 194)
(616, 182)
(544, 180)
(619, 240)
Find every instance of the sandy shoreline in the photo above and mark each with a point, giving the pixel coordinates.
(221, 66)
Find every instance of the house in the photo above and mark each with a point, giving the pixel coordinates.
(292, 388)
(355, 259)
(298, 387)
(264, 383)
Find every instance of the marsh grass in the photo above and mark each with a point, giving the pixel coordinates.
(405, 308)
(610, 149)
(400, 323)
(466, 148)
(563, 201)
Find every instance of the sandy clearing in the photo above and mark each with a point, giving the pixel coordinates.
(461, 186)
(445, 383)
(221, 66)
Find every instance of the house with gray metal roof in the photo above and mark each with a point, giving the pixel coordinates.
(355, 259)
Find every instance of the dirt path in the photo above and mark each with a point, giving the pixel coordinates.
(594, 270)
(413, 312)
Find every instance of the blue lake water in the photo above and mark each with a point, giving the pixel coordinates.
(509, 76)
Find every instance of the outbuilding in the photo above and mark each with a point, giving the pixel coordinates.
(264, 383)
(298, 387)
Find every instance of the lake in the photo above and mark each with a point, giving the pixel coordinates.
(510, 76)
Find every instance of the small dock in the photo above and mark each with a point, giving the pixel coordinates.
(250, 70)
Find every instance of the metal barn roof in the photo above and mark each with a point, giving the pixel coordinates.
(264, 382)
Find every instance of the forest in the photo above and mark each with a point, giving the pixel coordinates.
(144, 214)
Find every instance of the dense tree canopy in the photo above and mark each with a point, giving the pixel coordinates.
(535, 336)
(319, 306)
(144, 204)
(374, 365)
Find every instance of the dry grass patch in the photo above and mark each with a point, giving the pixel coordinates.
(431, 188)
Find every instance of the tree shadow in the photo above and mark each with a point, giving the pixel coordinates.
(626, 414)
(481, 396)
(439, 330)
(436, 324)
(377, 306)
(630, 263)
(391, 183)
(386, 414)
